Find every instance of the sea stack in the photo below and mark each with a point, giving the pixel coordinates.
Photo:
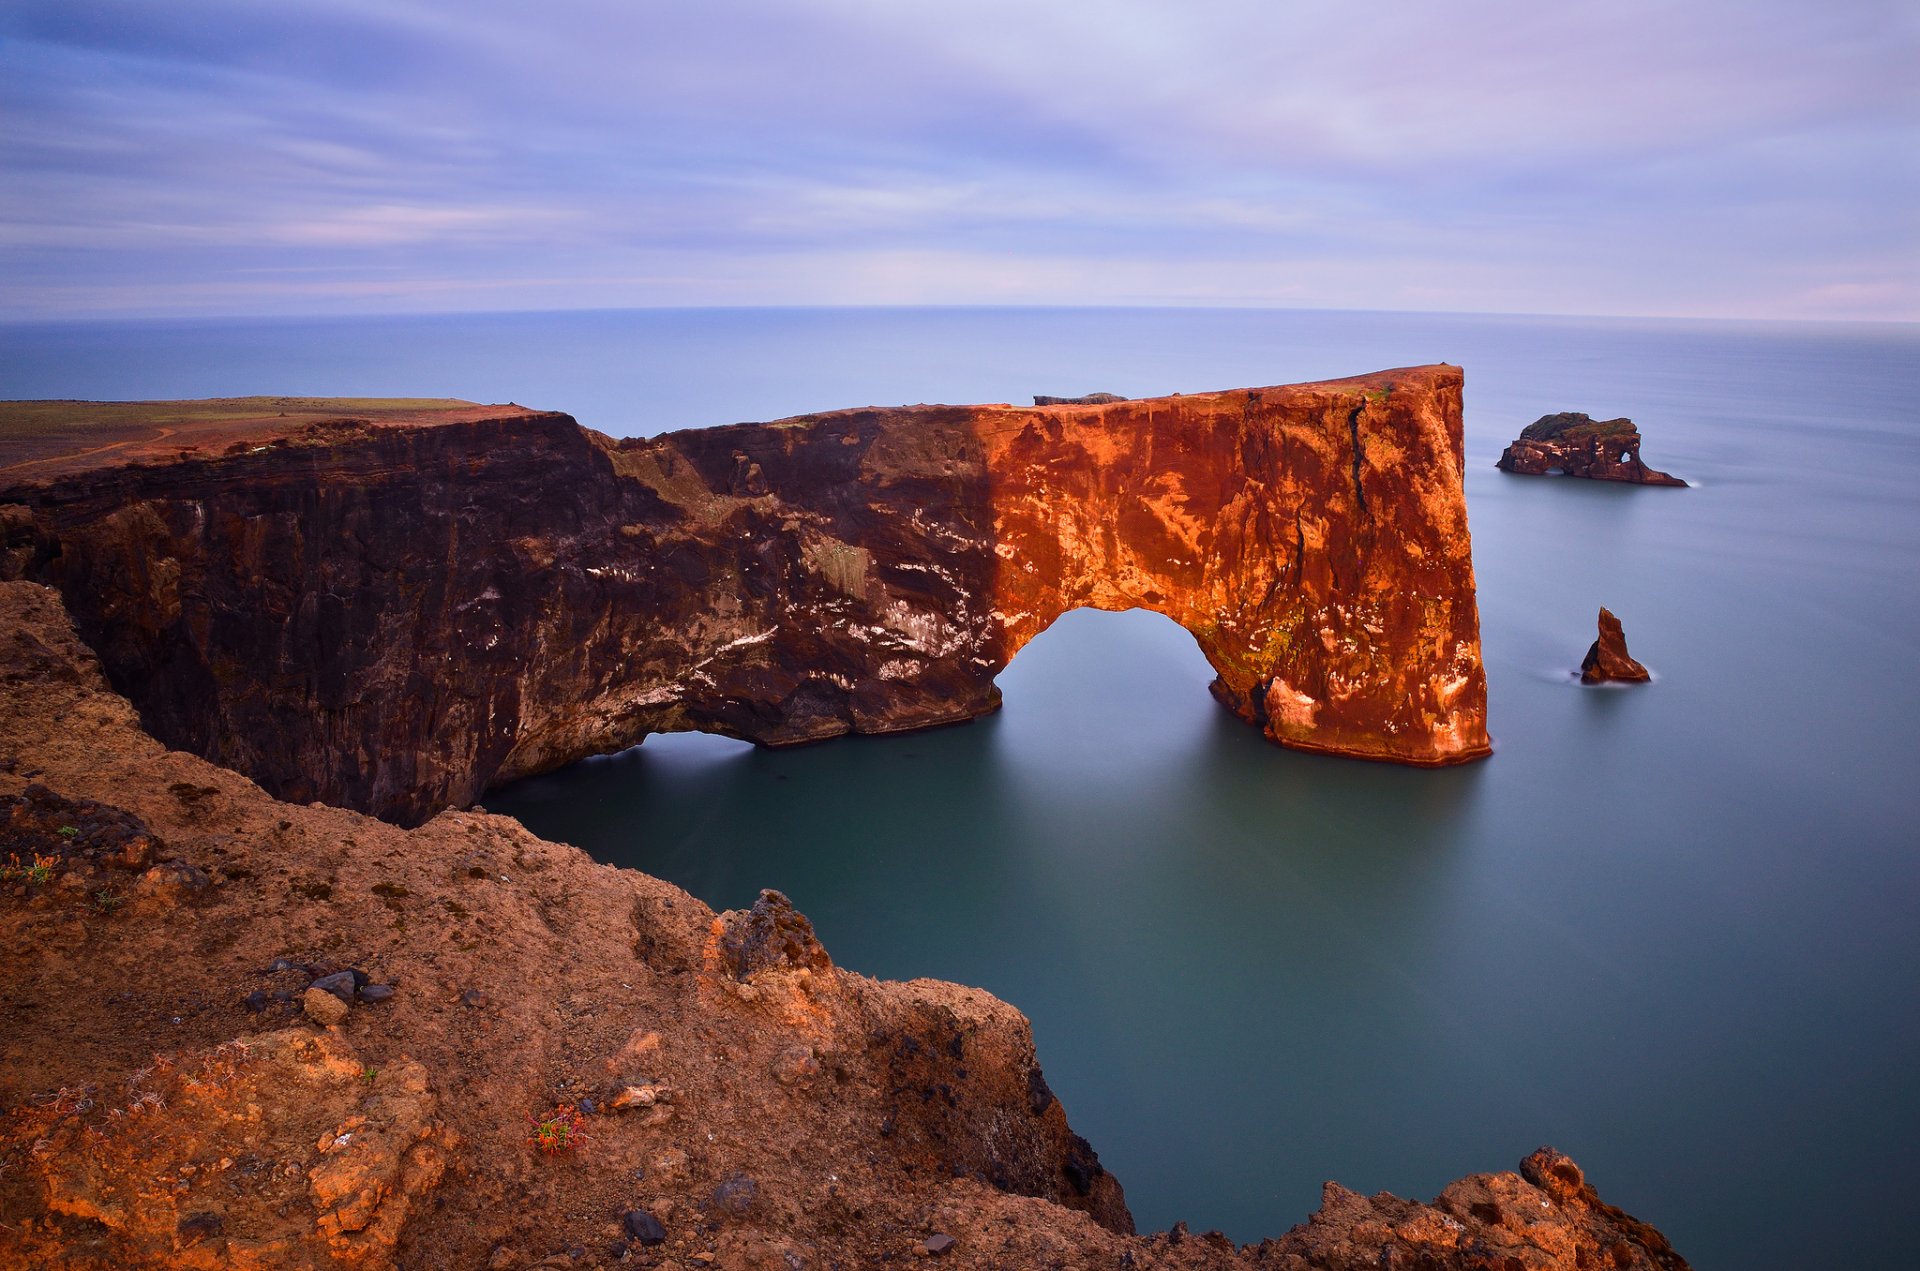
(1608, 659)
(1571, 444)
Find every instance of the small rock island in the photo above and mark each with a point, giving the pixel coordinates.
(1607, 660)
(1575, 445)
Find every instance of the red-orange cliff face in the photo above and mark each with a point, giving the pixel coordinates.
(394, 613)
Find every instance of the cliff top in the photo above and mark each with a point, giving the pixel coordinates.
(41, 440)
(1575, 426)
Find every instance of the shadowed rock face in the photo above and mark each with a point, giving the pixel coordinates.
(394, 616)
(1574, 445)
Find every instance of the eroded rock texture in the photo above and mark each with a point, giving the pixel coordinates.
(1607, 657)
(395, 614)
(165, 1103)
(1575, 445)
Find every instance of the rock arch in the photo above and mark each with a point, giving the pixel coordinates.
(395, 615)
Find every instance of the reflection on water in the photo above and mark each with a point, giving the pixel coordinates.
(1669, 929)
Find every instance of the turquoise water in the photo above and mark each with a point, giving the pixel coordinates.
(1673, 930)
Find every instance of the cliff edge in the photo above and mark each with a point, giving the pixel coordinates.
(240, 1033)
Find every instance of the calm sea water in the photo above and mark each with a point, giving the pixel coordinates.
(1672, 930)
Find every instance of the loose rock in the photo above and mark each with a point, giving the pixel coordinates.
(794, 1065)
(323, 1007)
(668, 1164)
(643, 1227)
(340, 984)
(736, 1196)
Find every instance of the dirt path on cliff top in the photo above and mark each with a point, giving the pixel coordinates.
(169, 1094)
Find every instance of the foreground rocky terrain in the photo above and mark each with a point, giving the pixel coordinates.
(237, 1032)
(394, 608)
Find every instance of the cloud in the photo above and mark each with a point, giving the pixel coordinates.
(1750, 159)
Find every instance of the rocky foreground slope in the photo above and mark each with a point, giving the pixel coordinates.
(171, 1093)
(394, 609)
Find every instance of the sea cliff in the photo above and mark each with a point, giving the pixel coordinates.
(394, 608)
(242, 1033)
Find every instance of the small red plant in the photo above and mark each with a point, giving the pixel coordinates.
(558, 1133)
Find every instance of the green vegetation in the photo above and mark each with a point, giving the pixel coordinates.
(559, 1133)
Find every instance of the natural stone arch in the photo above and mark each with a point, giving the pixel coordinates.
(396, 616)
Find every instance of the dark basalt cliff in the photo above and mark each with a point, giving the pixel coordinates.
(1574, 445)
(394, 613)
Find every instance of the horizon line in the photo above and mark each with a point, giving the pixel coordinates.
(76, 319)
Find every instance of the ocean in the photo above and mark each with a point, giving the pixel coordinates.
(1673, 930)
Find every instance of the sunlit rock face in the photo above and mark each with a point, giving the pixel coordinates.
(394, 616)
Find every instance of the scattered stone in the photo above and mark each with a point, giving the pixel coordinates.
(644, 1227)
(737, 1195)
(475, 998)
(374, 993)
(340, 984)
(640, 1096)
(794, 1065)
(1607, 660)
(323, 1007)
(588, 1107)
(257, 1001)
(938, 1243)
(285, 964)
(503, 1259)
(668, 1164)
(171, 882)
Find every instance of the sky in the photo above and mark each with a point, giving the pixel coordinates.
(1705, 158)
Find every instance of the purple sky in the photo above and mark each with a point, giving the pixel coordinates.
(1737, 158)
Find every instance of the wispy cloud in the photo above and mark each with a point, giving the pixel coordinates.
(1759, 158)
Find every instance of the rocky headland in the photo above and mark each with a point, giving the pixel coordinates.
(1575, 445)
(393, 606)
(242, 1028)
(237, 1032)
